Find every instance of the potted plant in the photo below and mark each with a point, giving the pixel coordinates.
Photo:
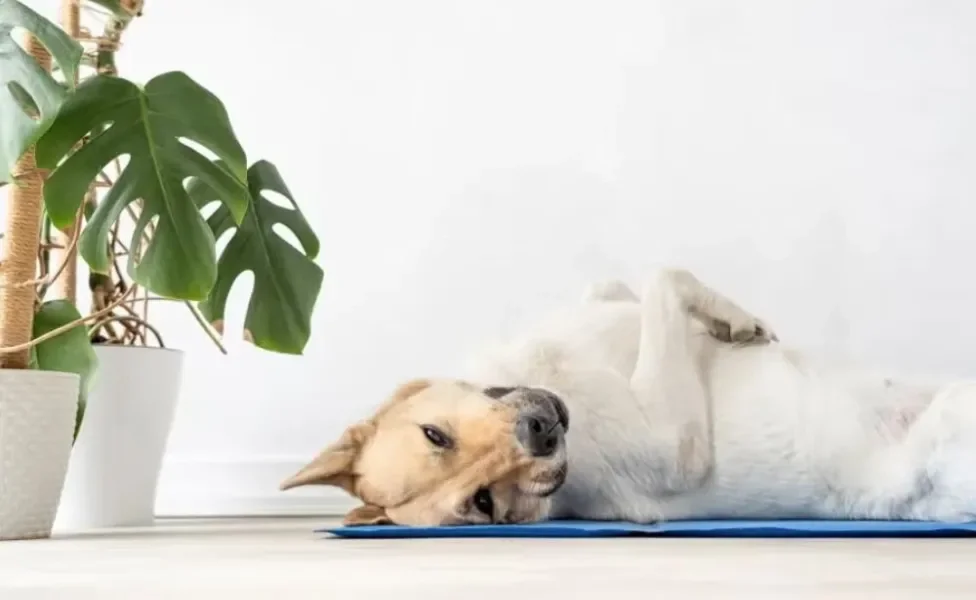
(45, 355)
(162, 193)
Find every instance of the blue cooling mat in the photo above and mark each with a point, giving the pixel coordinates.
(730, 528)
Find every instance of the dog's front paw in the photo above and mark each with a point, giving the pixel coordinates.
(612, 290)
(748, 330)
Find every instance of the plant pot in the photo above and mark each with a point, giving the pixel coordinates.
(37, 421)
(117, 457)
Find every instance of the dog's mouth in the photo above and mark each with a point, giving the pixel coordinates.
(546, 483)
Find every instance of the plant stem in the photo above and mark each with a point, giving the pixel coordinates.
(206, 327)
(105, 57)
(45, 249)
(23, 231)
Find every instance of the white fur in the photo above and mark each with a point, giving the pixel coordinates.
(667, 422)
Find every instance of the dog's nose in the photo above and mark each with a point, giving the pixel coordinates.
(539, 435)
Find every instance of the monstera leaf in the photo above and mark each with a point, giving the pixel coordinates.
(286, 280)
(146, 125)
(29, 96)
(69, 352)
(113, 6)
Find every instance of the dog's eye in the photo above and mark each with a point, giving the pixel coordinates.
(497, 392)
(483, 501)
(436, 436)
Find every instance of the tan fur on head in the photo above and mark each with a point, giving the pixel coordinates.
(396, 465)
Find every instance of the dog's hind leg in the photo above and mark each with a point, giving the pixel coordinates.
(613, 290)
(937, 458)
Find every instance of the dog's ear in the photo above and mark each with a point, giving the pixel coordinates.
(334, 465)
(367, 514)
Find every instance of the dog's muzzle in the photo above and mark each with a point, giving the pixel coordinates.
(543, 418)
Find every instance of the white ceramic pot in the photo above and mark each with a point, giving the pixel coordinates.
(115, 464)
(37, 422)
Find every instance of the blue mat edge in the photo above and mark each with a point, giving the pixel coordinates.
(696, 528)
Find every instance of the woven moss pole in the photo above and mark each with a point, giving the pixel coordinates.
(19, 266)
(66, 285)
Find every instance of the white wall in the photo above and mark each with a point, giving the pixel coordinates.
(468, 164)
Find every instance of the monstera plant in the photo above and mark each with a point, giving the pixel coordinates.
(171, 181)
(175, 155)
(107, 117)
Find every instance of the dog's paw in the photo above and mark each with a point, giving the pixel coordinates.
(610, 291)
(748, 330)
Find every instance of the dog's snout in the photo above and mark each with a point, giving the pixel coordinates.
(539, 434)
(562, 413)
(552, 404)
(543, 418)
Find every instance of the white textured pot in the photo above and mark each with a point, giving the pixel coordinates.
(37, 421)
(118, 455)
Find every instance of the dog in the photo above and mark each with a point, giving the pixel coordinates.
(675, 404)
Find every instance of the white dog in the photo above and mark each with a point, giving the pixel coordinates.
(682, 404)
(670, 422)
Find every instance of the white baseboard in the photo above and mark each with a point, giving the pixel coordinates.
(221, 487)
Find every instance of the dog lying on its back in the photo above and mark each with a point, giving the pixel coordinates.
(669, 405)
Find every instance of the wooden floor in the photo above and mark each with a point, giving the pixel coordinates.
(284, 560)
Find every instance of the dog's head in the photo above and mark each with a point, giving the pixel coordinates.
(448, 453)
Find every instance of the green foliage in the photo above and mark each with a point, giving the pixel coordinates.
(113, 6)
(146, 125)
(69, 352)
(286, 280)
(29, 96)
(153, 129)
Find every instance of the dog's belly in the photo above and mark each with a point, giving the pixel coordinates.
(787, 442)
(766, 461)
